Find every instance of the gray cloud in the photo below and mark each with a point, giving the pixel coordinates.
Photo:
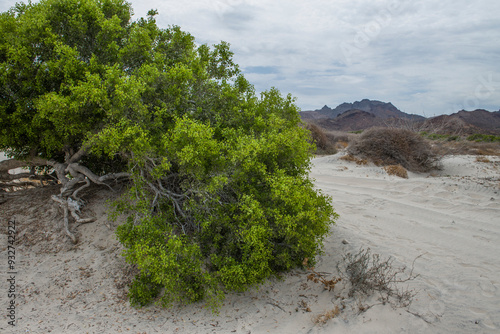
(425, 57)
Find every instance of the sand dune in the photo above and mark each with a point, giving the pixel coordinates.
(450, 219)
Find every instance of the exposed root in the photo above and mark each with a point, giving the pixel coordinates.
(70, 175)
(71, 206)
(75, 193)
(66, 222)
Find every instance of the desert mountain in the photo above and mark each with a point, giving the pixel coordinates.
(468, 122)
(379, 109)
(356, 116)
(366, 113)
(351, 120)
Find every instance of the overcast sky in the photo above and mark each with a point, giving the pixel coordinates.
(427, 57)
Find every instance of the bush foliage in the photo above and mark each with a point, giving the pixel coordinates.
(220, 197)
(390, 146)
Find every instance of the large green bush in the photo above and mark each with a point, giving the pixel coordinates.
(220, 197)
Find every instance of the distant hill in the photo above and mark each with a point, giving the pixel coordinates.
(351, 120)
(366, 113)
(467, 122)
(356, 116)
(377, 108)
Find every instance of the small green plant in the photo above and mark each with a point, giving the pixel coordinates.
(484, 138)
(444, 137)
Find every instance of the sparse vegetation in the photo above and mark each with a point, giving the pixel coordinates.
(484, 138)
(364, 274)
(389, 146)
(316, 277)
(327, 315)
(367, 273)
(466, 147)
(437, 136)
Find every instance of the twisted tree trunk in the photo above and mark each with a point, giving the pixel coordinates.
(71, 175)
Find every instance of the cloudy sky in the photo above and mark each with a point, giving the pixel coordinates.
(427, 57)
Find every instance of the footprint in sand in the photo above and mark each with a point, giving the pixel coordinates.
(484, 316)
(449, 228)
(481, 238)
(488, 289)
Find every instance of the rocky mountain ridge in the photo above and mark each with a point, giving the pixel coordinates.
(366, 113)
(378, 108)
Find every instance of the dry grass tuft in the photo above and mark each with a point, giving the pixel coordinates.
(324, 317)
(482, 159)
(352, 158)
(397, 170)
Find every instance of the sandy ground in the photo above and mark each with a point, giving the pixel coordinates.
(451, 219)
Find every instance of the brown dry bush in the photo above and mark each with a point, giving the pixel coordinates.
(324, 317)
(369, 273)
(482, 159)
(351, 158)
(390, 146)
(325, 144)
(397, 170)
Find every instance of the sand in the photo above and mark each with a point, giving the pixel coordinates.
(449, 221)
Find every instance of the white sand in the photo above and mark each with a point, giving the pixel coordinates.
(451, 219)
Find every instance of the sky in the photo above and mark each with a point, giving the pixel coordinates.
(427, 57)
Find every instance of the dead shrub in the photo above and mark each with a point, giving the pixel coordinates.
(316, 277)
(341, 145)
(397, 170)
(324, 144)
(368, 273)
(390, 146)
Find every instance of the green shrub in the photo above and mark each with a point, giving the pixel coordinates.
(245, 210)
(219, 199)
